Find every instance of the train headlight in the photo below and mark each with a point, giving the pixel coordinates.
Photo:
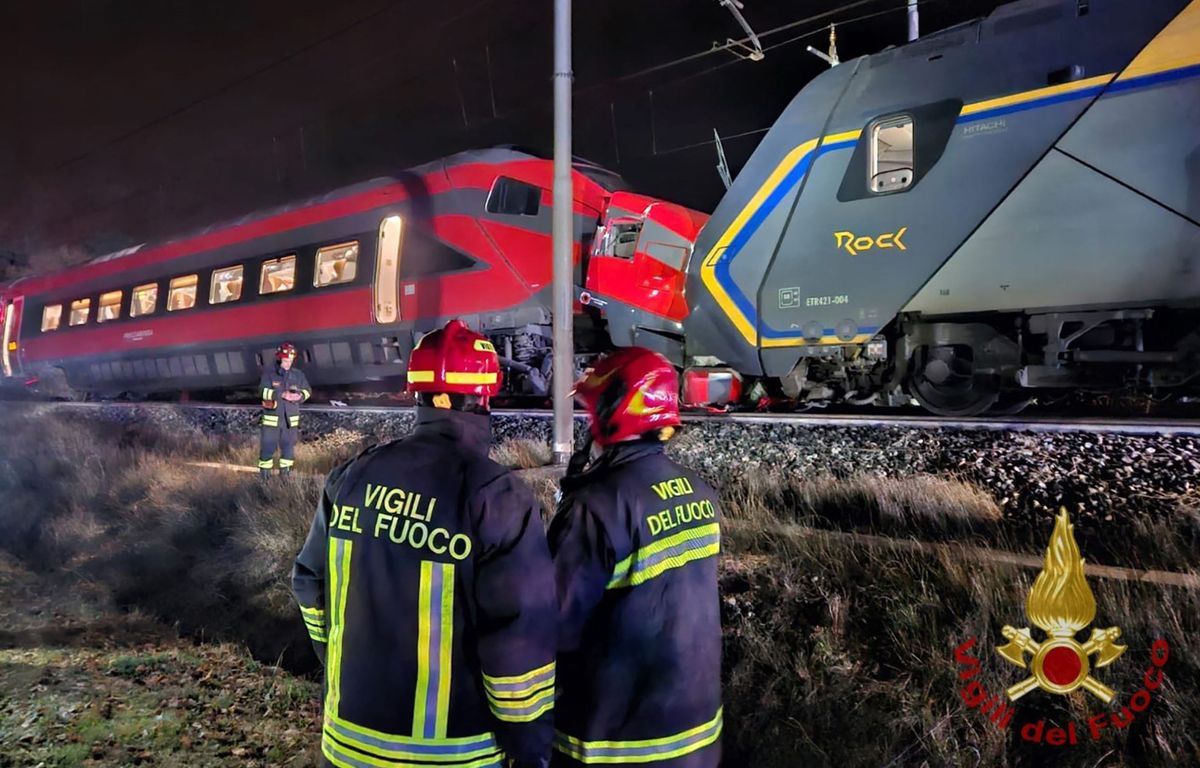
(877, 348)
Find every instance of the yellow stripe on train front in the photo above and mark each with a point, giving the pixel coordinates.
(709, 266)
(1176, 46)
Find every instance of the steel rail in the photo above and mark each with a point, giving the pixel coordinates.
(1129, 426)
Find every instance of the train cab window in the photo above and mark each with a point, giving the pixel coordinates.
(182, 292)
(110, 306)
(513, 197)
(51, 317)
(619, 238)
(278, 275)
(891, 154)
(80, 311)
(226, 285)
(336, 264)
(145, 300)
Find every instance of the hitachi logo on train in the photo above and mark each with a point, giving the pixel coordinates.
(669, 489)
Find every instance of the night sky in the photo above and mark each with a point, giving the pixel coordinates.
(127, 121)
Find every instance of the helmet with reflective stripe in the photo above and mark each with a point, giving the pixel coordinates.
(628, 393)
(454, 360)
(285, 350)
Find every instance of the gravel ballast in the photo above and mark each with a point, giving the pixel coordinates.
(1109, 478)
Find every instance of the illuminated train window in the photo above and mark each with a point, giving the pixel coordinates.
(145, 300)
(226, 285)
(51, 317)
(891, 163)
(110, 306)
(336, 264)
(278, 275)
(80, 310)
(182, 293)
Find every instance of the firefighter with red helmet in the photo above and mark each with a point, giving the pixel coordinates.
(427, 587)
(635, 543)
(282, 389)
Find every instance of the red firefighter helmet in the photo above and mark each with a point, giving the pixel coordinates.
(285, 350)
(628, 393)
(455, 360)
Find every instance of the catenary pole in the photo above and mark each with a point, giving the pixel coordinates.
(913, 30)
(563, 238)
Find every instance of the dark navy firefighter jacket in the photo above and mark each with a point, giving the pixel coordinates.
(635, 543)
(274, 382)
(427, 586)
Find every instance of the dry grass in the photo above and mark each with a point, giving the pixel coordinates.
(521, 454)
(835, 653)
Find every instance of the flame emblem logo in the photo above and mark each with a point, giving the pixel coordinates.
(1061, 605)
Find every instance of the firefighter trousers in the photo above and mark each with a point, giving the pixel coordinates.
(281, 437)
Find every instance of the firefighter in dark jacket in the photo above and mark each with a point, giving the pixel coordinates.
(282, 389)
(635, 542)
(427, 587)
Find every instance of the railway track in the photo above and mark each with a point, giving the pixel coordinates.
(1049, 424)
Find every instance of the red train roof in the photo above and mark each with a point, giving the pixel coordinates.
(470, 169)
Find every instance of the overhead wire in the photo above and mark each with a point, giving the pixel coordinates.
(806, 35)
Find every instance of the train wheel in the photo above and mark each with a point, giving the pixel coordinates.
(944, 382)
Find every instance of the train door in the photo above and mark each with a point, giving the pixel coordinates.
(387, 270)
(10, 318)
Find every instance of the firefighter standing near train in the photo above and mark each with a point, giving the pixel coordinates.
(282, 388)
(635, 542)
(427, 586)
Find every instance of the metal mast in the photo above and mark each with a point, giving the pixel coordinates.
(563, 238)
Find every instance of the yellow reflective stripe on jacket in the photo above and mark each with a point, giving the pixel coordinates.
(314, 621)
(270, 420)
(314, 613)
(391, 748)
(293, 421)
(672, 552)
(435, 637)
(346, 758)
(521, 698)
(519, 686)
(525, 710)
(268, 393)
(340, 552)
(307, 393)
(641, 751)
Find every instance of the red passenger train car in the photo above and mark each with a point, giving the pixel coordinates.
(353, 278)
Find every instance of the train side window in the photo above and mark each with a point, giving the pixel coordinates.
(145, 300)
(110, 306)
(81, 309)
(51, 317)
(226, 285)
(278, 275)
(182, 292)
(336, 264)
(515, 198)
(890, 167)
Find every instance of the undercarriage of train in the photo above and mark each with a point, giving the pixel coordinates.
(998, 364)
